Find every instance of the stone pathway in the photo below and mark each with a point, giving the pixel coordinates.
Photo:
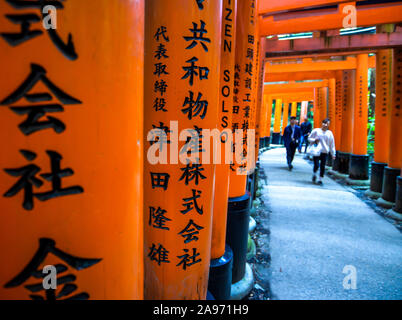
(315, 231)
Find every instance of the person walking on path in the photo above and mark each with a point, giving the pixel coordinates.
(323, 139)
(306, 128)
(291, 137)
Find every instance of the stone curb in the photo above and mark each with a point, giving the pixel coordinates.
(243, 287)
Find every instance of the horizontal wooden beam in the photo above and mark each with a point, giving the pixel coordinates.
(309, 65)
(284, 90)
(300, 96)
(330, 45)
(269, 6)
(305, 21)
(299, 76)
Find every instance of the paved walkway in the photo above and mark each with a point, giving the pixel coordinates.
(315, 231)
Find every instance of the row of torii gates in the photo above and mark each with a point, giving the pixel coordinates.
(79, 190)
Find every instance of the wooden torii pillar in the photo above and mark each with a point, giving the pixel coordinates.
(77, 209)
(265, 124)
(382, 121)
(359, 160)
(180, 192)
(220, 270)
(344, 149)
(392, 171)
(239, 197)
(276, 134)
(293, 111)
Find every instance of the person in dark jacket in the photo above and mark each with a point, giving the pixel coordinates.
(291, 137)
(306, 129)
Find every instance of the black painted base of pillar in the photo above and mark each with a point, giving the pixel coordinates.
(220, 275)
(255, 185)
(237, 233)
(344, 159)
(330, 161)
(262, 144)
(398, 198)
(377, 176)
(389, 183)
(359, 167)
(335, 163)
(267, 142)
(276, 138)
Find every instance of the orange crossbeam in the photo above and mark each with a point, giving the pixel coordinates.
(307, 21)
(332, 45)
(308, 65)
(269, 6)
(299, 96)
(294, 87)
(298, 76)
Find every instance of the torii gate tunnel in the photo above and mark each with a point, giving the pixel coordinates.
(131, 130)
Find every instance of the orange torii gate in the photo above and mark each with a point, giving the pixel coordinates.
(319, 88)
(299, 76)
(279, 100)
(301, 16)
(310, 65)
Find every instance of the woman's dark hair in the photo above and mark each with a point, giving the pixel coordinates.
(326, 120)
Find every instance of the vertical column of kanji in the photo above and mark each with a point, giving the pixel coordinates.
(268, 120)
(182, 57)
(345, 147)
(337, 123)
(242, 95)
(276, 134)
(331, 103)
(392, 171)
(324, 103)
(220, 274)
(382, 117)
(71, 159)
(316, 108)
(338, 108)
(260, 71)
(359, 160)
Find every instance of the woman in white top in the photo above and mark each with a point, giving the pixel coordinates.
(324, 140)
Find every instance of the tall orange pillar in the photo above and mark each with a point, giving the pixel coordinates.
(337, 121)
(345, 147)
(293, 111)
(225, 121)
(276, 134)
(324, 103)
(263, 120)
(332, 103)
(244, 67)
(285, 118)
(382, 118)
(317, 108)
(269, 120)
(245, 80)
(303, 110)
(182, 57)
(259, 91)
(359, 160)
(392, 171)
(338, 109)
(220, 272)
(71, 160)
